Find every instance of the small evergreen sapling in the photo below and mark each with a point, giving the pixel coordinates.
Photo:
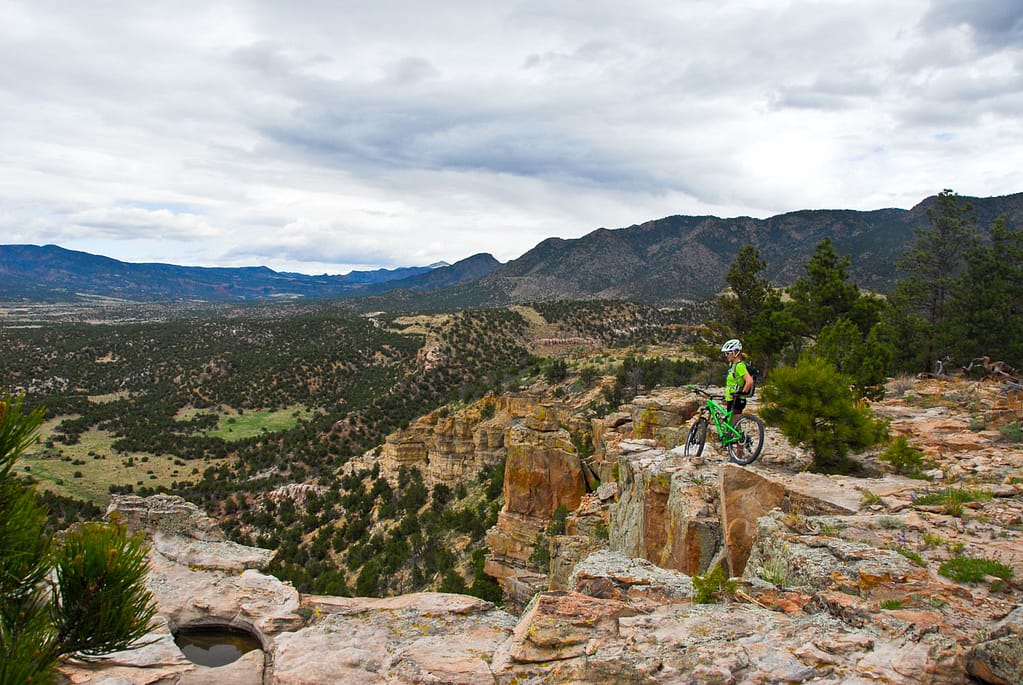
(94, 601)
(814, 406)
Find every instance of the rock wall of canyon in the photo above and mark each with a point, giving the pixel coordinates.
(835, 579)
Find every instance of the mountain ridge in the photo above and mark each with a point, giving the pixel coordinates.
(679, 259)
(665, 261)
(53, 273)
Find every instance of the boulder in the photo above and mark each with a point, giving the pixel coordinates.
(611, 575)
(665, 511)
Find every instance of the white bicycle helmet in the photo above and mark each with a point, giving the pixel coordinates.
(732, 345)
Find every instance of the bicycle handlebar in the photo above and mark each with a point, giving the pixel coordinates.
(703, 392)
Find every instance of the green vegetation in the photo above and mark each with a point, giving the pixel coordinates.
(813, 406)
(903, 457)
(960, 294)
(776, 571)
(952, 499)
(974, 570)
(1012, 431)
(713, 586)
(868, 498)
(82, 596)
(541, 555)
(912, 556)
(232, 426)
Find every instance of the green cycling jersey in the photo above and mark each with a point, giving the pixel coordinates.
(735, 380)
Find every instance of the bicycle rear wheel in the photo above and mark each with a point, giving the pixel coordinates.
(747, 448)
(697, 438)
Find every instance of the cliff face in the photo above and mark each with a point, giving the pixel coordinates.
(449, 447)
(835, 579)
(542, 473)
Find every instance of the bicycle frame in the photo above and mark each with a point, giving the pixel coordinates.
(742, 436)
(722, 421)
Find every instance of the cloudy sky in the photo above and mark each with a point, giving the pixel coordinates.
(322, 136)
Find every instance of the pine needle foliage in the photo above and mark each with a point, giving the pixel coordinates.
(82, 595)
(814, 406)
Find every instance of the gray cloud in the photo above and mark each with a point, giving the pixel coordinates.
(316, 135)
(994, 24)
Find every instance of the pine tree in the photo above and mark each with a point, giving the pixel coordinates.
(748, 292)
(814, 406)
(824, 295)
(985, 309)
(83, 595)
(933, 266)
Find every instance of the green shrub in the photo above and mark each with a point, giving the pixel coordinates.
(556, 370)
(973, 570)
(814, 406)
(902, 456)
(558, 519)
(541, 556)
(713, 586)
(1013, 431)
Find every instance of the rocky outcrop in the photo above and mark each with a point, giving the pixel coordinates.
(666, 508)
(449, 446)
(543, 473)
(834, 580)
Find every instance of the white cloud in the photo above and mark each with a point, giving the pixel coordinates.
(323, 136)
(125, 223)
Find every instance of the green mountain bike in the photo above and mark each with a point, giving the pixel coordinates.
(744, 440)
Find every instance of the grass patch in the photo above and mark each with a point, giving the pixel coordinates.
(233, 425)
(98, 466)
(869, 498)
(109, 397)
(776, 571)
(952, 499)
(973, 570)
(912, 556)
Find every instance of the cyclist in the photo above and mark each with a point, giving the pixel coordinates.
(738, 380)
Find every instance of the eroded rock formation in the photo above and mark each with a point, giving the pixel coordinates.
(834, 580)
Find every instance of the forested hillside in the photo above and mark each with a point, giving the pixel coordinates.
(230, 407)
(272, 417)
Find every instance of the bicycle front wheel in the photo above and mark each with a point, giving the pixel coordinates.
(697, 438)
(747, 448)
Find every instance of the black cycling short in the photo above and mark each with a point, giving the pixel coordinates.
(736, 404)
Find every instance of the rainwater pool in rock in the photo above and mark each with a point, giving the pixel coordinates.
(215, 645)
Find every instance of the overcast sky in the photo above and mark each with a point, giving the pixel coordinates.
(324, 136)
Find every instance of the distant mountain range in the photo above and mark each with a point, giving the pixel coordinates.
(54, 274)
(665, 261)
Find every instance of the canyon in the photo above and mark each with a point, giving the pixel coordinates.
(665, 568)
